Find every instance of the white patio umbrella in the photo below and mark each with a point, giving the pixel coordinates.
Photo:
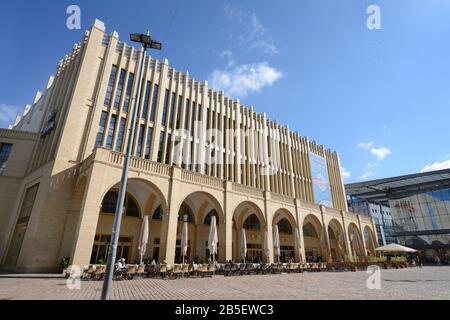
(213, 239)
(276, 243)
(266, 245)
(243, 244)
(297, 244)
(143, 239)
(184, 238)
(393, 247)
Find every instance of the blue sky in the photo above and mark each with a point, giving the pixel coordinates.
(381, 98)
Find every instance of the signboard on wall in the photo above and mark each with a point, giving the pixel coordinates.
(320, 180)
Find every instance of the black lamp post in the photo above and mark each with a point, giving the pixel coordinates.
(147, 43)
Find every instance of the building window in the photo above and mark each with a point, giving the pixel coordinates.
(109, 89)
(212, 213)
(160, 147)
(192, 118)
(155, 98)
(28, 203)
(199, 120)
(119, 91)
(185, 210)
(186, 119)
(139, 143)
(172, 111)
(252, 223)
(146, 101)
(119, 142)
(5, 151)
(284, 227)
(110, 202)
(180, 101)
(126, 103)
(309, 231)
(168, 148)
(166, 106)
(158, 214)
(101, 129)
(112, 128)
(149, 143)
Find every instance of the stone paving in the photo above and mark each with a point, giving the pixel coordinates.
(414, 283)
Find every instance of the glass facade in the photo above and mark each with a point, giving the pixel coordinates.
(119, 90)
(101, 129)
(5, 151)
(126, 103)
(109, 90)
(422, 221)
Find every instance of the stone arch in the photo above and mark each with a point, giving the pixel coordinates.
(255, 238)
(244, 209)
(285, 219)
(336, 237)
(315, 245)
(147, 197)
(369, 239)
(356, 240)
(202, 203)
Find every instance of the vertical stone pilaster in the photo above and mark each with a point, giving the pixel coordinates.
(325, 230)
(88, 218)
(344, 228)
(170, 219)
(269, 229)
(228, 221)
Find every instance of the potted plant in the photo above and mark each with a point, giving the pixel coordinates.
(64, 264)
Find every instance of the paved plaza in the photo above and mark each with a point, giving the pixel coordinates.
(414, 283)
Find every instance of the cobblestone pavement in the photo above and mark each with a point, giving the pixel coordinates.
(414, 283)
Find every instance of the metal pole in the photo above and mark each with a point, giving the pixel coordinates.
(107, 284)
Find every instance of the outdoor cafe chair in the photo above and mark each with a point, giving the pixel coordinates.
(276, 268)
(151, 271)
(250, 268)
(131, 271)
(204, 270)
(88, 274)
(99, 272)
(211, 268)
(177, 270)
(184, 269)
(140, 270)
(234, 269)
(242, 268)
(227, 269)
(165, 270)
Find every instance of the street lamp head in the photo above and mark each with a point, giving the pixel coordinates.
(146, 41)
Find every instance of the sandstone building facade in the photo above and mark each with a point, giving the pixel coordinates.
(196, 153)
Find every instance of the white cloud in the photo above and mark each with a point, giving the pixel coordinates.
(365, 145)
(345, 173)
(8, 113)
(436, 166)
(243, 79)
(366, 175)
(255, 36)
(368, 171)
(380, 153)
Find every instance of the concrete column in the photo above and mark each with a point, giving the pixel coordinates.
(170, 219)
(361, 231)
(344, 228)
(88, 218)
(228, 222)
(325, 229)
(300, 229)
(269, 229)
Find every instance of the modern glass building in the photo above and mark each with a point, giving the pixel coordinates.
(420, 207)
